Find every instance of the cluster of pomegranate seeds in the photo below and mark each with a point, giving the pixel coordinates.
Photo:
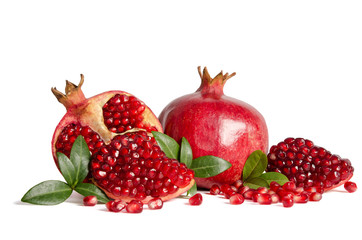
(133, 165)
(69, 133)
(122, 113)
(90, 201)
(134, 206)
(195, 200)
(288, 194)
(308, 165)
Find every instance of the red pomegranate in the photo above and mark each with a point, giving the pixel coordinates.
(215, 124)
(126, 161)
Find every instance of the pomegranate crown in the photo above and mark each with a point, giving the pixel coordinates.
(73, 93)
(214, 85)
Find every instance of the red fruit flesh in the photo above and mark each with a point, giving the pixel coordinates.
(287, 201)
(308, 165)
(126, 161)
(350, 187)
(155, 203)
(90, 201)
(236, 199)
(196, 199)
(135, 206)
(215, 124)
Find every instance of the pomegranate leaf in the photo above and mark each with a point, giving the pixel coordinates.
(274, 176)
(209, 166)
(167, 144)
(50, 192)
(192, 191)
(80, 156)
(256, 183)
(186, 152)
(67, 169)
(255, 165)
(88, 189)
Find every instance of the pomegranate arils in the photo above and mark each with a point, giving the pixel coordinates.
(196, 199)
(287, 201)
(308, 165)
(350, 187)
(155, 203)
(215, 190)
(122, 113)
(90, 201)
(236, 199)
(135, 206)
(116, 205)
(315, 196)
(131, 174)
(264, 199)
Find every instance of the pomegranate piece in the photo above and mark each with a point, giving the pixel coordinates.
(215, 189)
(350, 187)
(196, 199)
(116, 205)
(155, 203)
(135, 206)
(265, 199)
(301, 198)
(237, 129)
(287, 201)
(126, 162)
(308, 165)
(90, 201)
(315, 196)
(236, 199)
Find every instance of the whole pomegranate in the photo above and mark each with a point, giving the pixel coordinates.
(215, 124)
(126, 161)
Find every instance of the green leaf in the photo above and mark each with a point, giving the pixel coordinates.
(50, 192)
(255, 165)
(255, 183)
(192, 191)
(167, 144)
(209, 166)
(274, 176)
(80, 156)
(88, 189)
(186, 152)
(67, 169)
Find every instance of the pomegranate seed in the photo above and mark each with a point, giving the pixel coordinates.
(116, 205)
(225, 187)
(289, 186)
(248, 194)
(301, 198)
(214, 190)
(243, 189)
(236, 199)
(350, 187)
(90, 201)
(155, 203)
(228, 193)
(262, 190)
(274, 197)
(287, 201)
(265, 199)
(274, 186)
(315, 196)
(134, 206)
(238, 183)
(196, 199)
(255, 196)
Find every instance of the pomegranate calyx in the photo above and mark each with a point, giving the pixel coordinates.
(212, 86)
(73, 93)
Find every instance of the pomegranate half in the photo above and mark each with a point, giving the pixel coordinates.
(126, 161)
(215, 124)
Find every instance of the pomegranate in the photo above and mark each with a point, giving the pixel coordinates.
(308, 165)
(218, 125)
(126, 161)
(90, 201)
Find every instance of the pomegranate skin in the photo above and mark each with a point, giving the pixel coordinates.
(218, 125)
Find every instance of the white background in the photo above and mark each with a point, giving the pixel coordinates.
(298, 62)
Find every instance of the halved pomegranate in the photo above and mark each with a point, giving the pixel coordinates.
(126, 161)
